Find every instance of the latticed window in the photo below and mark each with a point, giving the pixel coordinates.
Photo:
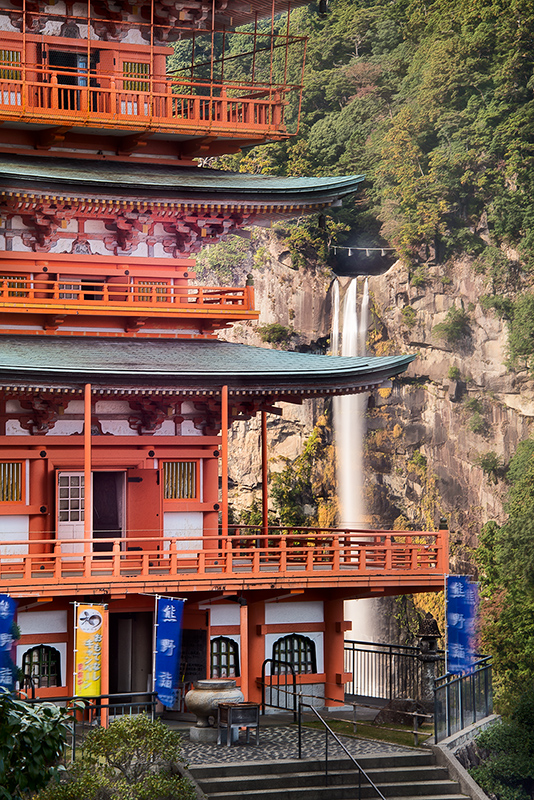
(135, 71)
(224, 660)
(297, 650)
(41, 666)
(180, 480)
(15, 284)
(11, 482)
(71, 497)
(10, 65)
(152, 291)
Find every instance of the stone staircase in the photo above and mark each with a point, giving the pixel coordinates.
(399, 776)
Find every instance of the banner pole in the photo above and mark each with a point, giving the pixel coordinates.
(154, 641)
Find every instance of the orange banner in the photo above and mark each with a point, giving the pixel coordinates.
(88, 649)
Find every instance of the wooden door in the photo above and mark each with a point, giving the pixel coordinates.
(143, 504)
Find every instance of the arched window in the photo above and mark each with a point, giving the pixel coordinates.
(41, 666)
(224, 658)
(298, 650)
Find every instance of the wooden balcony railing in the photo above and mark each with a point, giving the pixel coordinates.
(134, 297)
(164, 106)
(286, 556)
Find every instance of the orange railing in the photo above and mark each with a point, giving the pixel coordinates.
(166, 105)
(294, 555)
(159, 297)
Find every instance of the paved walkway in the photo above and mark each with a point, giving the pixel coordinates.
(278, 740)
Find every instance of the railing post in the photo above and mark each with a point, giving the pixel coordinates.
(300, 724)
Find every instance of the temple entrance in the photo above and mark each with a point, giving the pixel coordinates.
(130, 652)
(107, 512)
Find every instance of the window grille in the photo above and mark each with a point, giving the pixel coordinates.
(9, 65)
(135, 71)
(298, 650)
(152, 291)
(71, 497)
(180, 480)
(11, 482)
(41, 666)
(72, 295)
(224, 658)
(14, 284)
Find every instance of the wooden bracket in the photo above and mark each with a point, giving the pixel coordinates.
(43, 140)
(129, 144)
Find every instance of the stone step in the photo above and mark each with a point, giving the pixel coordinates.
(434, 779)
(399, 776)
(368, 762)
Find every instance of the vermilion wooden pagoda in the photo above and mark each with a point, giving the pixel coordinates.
(116, 396)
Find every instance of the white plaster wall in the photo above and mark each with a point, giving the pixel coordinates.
(111, 407)
(66, 427)
(308, 611)
(168, 428)
(14, 528)
(186, 527)
(13, 407)
(316, 637)
(187, 428)
(13, 428)
(224, 614)
(118, 427)
(38, 622)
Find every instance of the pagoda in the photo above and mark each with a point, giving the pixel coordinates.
(117, 391)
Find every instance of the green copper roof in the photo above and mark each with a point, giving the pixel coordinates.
(181, 363)
(78, 175)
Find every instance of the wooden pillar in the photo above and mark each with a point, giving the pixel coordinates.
(333, 653)
(104, 672)
(243, 633)
(264, 468)
(224, 460)
(256, 648)
(88, 505)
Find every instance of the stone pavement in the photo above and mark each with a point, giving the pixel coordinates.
(278, 740)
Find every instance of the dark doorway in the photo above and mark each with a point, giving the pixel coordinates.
(130, 652)
(108, 512)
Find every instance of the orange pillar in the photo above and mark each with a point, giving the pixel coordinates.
(41, 523)
(264, 490)
(333, 653)
(256, 649)
(87, 464)
(243, 633)
(224, 460)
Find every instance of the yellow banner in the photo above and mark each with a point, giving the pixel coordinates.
(89, 630)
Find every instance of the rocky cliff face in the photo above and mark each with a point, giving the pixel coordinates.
(426, 436)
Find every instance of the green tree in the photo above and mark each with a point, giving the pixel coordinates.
(32, 742)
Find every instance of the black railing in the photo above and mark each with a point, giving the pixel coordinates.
(389, 671)
(362, 775)
(279, 688)
(91, 712)
(462, 700)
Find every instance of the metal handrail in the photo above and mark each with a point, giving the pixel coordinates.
(328, 730)
(289, 669)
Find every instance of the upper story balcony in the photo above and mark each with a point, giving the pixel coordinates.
(88, 77)
(88, 291)
(247, 558)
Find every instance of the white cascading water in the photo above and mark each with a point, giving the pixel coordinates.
(349, 426)
(335, 319)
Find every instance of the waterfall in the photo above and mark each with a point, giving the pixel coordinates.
(335, 319)
(349, 427)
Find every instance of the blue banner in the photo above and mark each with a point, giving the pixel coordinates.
(8, 606)
(168, 645)
(462, 601)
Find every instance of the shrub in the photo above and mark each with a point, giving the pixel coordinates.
(275, 333)
(490, 464)
(418, 279)
(409, 316)
(507, 771)
(133, 759)
(455, 326)
(32, 740)
(454, 374)
(477, 423)
(474, 405)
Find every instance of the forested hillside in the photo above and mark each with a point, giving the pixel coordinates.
(434, 103)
